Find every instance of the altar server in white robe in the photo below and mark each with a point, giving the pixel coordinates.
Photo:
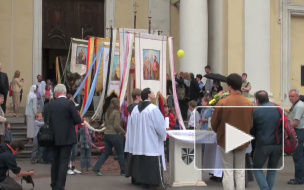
(145, 141)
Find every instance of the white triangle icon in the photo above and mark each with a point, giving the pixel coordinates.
(235, 138)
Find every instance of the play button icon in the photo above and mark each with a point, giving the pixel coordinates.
(235, 138)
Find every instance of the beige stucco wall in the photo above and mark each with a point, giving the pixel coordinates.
(175, 34)
(124, 14)
(235, 36)
(225, 37)
(16, 36)
(296, 51)
(275, 48)
(297, 2)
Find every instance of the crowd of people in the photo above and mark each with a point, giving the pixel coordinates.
(139, 137)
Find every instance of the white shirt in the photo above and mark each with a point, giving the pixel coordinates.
(192, 121)
(298, 114)
(41, 87)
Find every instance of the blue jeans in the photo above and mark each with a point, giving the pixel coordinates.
(111, 141)
(74, 152)
(37, 151)
(298, 156)
(273, 153)
(79, 99)
(86, 154)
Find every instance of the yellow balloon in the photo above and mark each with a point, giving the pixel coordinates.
(180, 53)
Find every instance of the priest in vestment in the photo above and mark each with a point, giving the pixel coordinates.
(145, 142)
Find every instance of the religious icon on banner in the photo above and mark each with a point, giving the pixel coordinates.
(151, 64)
(116, 69)
(82, 53)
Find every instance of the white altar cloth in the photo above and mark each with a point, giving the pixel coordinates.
(212, 160)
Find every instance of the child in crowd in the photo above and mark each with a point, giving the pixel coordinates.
(173, 111)
(37, 151)
(206, 113)
(8, 134)
(72, 169)
(172, 121)
(85, 140)
(172, 124)
(194, 117)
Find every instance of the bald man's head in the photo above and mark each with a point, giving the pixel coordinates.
(262, 96)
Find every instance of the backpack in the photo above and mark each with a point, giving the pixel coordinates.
(290, 137)
(45, 136)
(181, 92)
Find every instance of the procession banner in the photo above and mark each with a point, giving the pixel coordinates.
(79, 56)
(94, 83)
(58, 76)
(126, 69)
(114, 79)
(150, 68)
(123, 36)
(113, 84)
(89, 74)
(98, 43)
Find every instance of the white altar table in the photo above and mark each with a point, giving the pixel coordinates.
(185, 169)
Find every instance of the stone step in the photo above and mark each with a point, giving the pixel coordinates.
(25, 154)
(16, 120)
(29, 147)
(23, 139)
(19, 134)
(19, 129)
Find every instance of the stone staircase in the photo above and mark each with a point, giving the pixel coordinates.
(19, 130)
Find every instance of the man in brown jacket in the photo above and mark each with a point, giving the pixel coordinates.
(242, 119)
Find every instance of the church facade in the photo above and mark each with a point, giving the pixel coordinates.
(263, 38)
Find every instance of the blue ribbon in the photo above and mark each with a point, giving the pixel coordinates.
(90, 69)
(93, 86)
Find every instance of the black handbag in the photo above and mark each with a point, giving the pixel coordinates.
(45, 136)
(28, 179)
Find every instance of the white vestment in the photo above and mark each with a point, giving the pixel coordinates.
(146, 132)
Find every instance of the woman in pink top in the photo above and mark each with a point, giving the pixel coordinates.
(48, 94)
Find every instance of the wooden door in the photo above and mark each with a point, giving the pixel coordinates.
(66, 19)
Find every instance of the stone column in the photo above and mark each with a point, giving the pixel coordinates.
(257, 44)
(194, 35)
(110, 16)
(37, 40)
(216, 36)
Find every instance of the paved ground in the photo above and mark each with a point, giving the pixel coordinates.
(111, 180)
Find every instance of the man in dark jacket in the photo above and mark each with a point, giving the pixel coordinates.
(183, 103)
(194, 88)
(136, 96)
(62, 116)
(4, 87)
(265, 121)
(8, 160)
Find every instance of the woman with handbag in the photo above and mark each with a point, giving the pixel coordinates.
(113, 137)
(16, 86)
(30, 112)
